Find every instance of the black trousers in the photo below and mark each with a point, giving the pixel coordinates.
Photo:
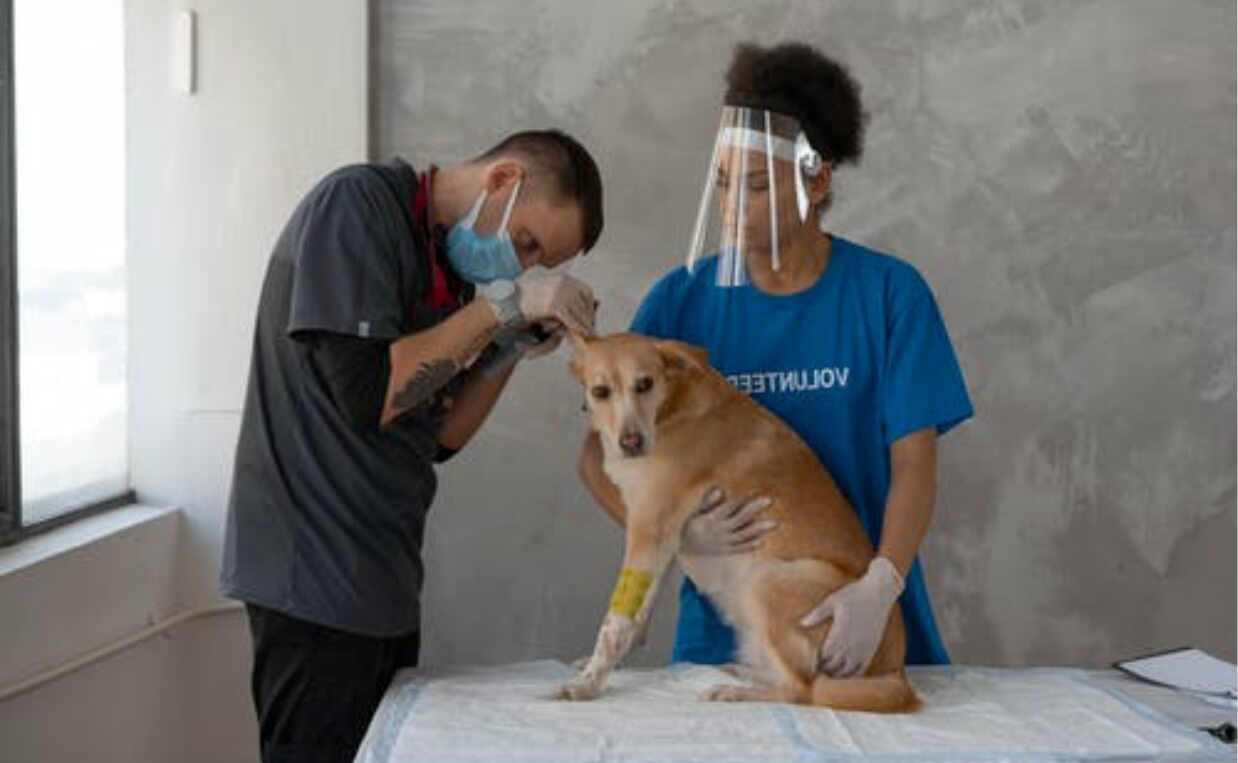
(316, 688)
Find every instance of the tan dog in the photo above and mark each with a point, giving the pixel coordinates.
(671, 427)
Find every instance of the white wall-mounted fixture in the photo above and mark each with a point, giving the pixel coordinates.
(185, 52)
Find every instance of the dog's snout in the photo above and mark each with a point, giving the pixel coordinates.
(632, 443)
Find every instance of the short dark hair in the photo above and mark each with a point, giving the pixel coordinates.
(569, 167)
(796, 80)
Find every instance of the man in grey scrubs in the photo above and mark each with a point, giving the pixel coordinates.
(394, 307)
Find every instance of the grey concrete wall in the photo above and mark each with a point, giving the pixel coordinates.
(1064, 175)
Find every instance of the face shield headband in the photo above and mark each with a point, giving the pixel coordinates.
(746, 200)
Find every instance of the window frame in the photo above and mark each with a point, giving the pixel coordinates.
(13, 528)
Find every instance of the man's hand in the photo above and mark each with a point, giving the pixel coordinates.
(558, 297)
(532, 341)
(543, 340)
(860, 611)
(725, 526)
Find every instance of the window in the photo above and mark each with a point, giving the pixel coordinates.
(62, 250)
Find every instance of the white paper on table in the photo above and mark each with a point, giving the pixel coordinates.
(508, 714)
(1187, 668)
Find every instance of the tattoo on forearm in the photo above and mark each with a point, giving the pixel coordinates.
(429, 378)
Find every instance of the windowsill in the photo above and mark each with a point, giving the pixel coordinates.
(84, 585)
(74, 535)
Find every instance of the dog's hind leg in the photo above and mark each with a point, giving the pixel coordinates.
(758, 693)
(774, 658)
(884, 693)
(778, 681)
(744, 672)
(773, 645)
(884, 689)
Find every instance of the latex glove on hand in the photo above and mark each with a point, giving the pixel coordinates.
(860, 611)
(725, 526)
(558, 297)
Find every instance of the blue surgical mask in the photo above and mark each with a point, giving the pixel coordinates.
(482, 259)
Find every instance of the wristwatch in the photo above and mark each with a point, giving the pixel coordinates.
(503, 296)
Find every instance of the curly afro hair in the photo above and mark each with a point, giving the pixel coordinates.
(796, 80)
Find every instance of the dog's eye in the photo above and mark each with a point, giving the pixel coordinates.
(600, 392)
(643, 385)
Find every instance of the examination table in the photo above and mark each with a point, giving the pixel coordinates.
(506, 714)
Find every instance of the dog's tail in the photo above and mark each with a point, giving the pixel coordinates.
(885, 693)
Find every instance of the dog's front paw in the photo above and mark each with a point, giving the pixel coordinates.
(577, 691)
(723, 693)
(579, 663)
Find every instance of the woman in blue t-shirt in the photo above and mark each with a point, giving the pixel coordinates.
(844, 343)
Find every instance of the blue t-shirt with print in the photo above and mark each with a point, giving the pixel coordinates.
(853, 363)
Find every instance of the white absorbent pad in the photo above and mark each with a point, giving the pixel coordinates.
(507, 714)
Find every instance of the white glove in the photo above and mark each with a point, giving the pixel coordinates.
(559, 297)
(725, 526)
(860, 610)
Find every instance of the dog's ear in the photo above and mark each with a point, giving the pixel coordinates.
(580, 345)
(681, 357)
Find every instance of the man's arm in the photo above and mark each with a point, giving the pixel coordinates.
(485, 383)
(594, 476)
(909, 505)
(422, 363)
(471, 406)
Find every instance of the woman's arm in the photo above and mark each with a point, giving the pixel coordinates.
(861, 608)
(594, 476)
(909, 505)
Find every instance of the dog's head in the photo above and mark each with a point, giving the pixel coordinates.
(628, 381)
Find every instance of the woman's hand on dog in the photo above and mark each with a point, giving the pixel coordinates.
(859, 611)
(722, 525)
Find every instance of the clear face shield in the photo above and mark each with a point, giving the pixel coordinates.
(755, 195)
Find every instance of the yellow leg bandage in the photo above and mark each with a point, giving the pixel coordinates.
(630, 591)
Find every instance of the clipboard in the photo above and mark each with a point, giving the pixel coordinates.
(1187, 669)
